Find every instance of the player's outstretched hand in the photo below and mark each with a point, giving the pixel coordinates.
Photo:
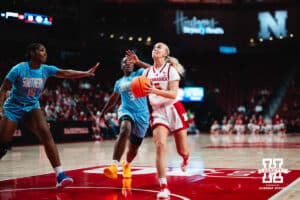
(91, 71)
(132, 58)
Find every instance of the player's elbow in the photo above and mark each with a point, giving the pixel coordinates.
(173, 96)
(64, 74)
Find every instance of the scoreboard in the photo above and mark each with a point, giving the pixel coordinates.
(31, 18)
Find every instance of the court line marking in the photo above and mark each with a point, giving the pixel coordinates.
(86, 187)
(275, 196)
(209, 172)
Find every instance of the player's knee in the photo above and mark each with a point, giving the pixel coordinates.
(135, 140)
(124, 135)
(124, 131)
(160, 146)
(3, 149)
(45, 135)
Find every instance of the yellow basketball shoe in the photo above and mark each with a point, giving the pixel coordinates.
(126, 170)
(126, 187)
(111, 172)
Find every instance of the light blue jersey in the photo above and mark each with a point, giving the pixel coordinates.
(27, 86)
(135, 108)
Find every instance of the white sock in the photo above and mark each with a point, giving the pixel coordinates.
(115, 162)
(58, 169)
(163, 181)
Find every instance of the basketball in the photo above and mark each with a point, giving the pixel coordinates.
(138, 85)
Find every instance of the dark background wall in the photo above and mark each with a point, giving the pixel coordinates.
(84, 32)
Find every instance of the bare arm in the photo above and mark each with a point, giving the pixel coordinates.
(171, 93)
(113, 99)
(6, 86)
(134, 59)
(69, 73)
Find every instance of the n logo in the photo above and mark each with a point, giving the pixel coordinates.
(268, 23)
(272, 170)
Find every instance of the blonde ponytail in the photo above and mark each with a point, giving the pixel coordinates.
(175, 63)
(172, 60)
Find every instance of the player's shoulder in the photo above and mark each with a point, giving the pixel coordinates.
(46, 65)
(49, 68)
(117, 82)
(18, 66)
(171, 67)
(138, 72)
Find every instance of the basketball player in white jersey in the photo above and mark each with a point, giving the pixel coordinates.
(168, 114)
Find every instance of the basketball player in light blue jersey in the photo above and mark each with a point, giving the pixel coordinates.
(133, 116)
(26, 82)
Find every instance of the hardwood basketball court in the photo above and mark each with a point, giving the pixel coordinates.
(220, 168)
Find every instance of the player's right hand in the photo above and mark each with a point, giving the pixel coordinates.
(132, 58)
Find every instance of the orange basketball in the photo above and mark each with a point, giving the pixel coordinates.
(138, 85)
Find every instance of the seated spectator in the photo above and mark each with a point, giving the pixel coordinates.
(268, 128)
(277, 124)
(239, 126)
(96, 125)
(192, 129)
(215, 128)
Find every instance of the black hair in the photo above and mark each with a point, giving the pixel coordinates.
(32, 47)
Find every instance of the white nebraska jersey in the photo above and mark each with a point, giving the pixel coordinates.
(160, 78)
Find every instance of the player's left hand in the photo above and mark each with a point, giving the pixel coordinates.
(91, 72)
(149, 88)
